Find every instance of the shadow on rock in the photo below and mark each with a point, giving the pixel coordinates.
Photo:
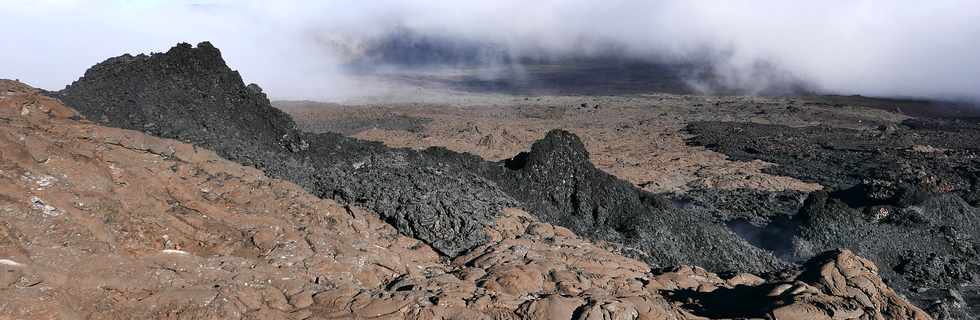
(726, 303)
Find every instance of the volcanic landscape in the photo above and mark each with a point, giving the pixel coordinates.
(163, 186)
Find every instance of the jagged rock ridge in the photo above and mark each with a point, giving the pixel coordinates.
(190, 94)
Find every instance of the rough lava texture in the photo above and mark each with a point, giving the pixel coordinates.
(598, 205)
(190, 94)
(442, 197)
(99, 222)
(201, 91)
(903, 196)
(891, 164)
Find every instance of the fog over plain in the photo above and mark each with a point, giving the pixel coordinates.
(297, 49)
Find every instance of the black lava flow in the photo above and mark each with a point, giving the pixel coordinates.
(903, 196)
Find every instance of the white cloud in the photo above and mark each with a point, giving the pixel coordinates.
(910, 48)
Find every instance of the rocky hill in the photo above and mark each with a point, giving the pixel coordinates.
(190, 94)
(441, 197)
(99, 222)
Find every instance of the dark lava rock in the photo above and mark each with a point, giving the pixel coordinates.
(558, 183)
(441, 197)
(906, 200)
(189, 94)
(922, 157)
(765, 219)
(754, 206)
(572, 191)
(422, 196)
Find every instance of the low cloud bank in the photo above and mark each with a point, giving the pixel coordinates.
(300, 49)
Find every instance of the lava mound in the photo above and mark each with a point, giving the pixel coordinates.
(578, 194)
(557, 182)
(188, 94)
(191, 95)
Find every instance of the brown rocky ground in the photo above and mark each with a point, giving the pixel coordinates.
(103, 223)
(637, 138)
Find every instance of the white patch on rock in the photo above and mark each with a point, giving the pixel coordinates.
(47, 209)
(12, 263)
(45, 181)
(42, 181)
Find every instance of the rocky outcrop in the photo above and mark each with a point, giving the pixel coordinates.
(560, 185)
(444, 198)
(189, 94)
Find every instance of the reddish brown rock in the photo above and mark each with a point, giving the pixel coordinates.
(104, 223)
